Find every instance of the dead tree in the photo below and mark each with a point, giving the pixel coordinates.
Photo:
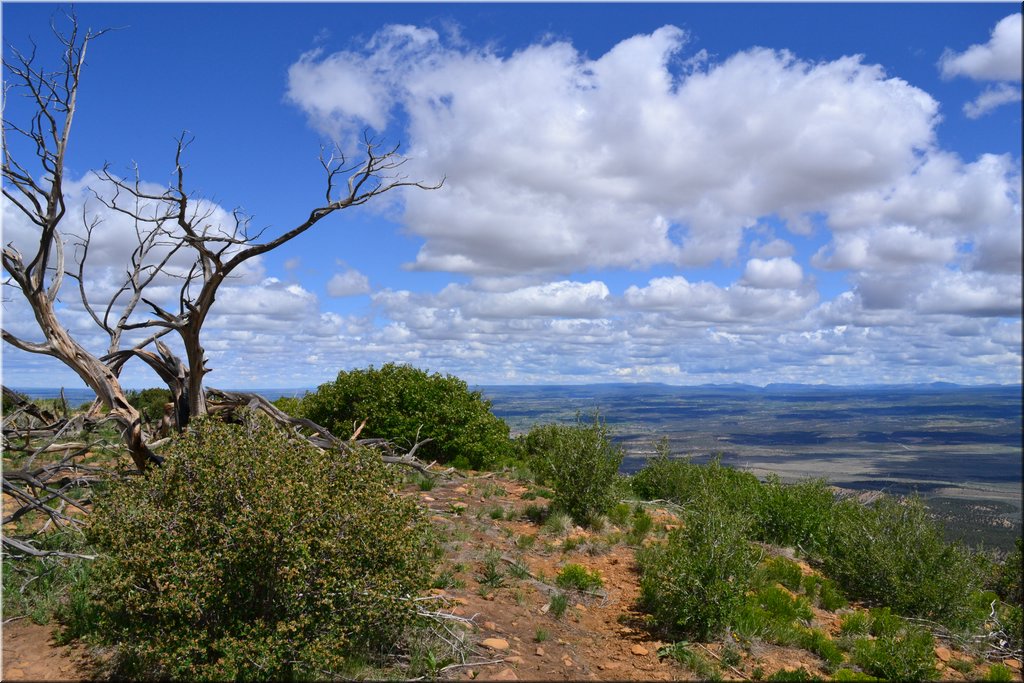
(36, 188)
(170, 223)
(219, 250)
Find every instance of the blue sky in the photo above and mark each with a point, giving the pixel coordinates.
(673, 192)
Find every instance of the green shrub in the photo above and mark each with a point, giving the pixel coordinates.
(777, 569)
(851, 675)
(558, 604)
(693, 583)
(581, 465)
(855, 624)
(770, 614)
(642, 525)
(906, 654)
(149, 402)
(681, 481)
(292, 405)
(399, 401)
(248, 555)
(690, 658)
(800, 674)
(619, 514)
(1009, 577)
(577, 577)
(793, 514)
(999, 673)
(892, 553)
(820, 644)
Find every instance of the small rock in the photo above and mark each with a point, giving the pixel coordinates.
(581, 607)
(1012, 663)
(539, 652)
(495, 643)
(460, 601)
(939, 666)
(639, 650)
(517, 639)
(503, 675)
(608, 666)
(545, 608)
(490, 626)
(515, 659)
(428, 499)
(437, 591)
(943, 653)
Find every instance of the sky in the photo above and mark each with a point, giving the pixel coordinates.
(668, 192)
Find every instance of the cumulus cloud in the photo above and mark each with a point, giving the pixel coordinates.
(993, 97)
(997, 60)
(348, 283)
(556, 162)
(774, 273)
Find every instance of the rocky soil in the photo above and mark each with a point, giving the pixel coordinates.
(507, 630)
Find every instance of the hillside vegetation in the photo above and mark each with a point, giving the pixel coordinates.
(251, 554)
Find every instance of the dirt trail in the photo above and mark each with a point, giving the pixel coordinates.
(31, 654)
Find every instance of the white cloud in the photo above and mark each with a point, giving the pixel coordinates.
(997, 60)
(348, 283)
(556, 162)
(993, 97)
(774, 273)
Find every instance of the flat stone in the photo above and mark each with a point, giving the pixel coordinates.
(943, 653)
(427, 499)
(514, 659)
(490, 626)
(608, 666)
(581, 607)
(639, 650)
(539, 651)
(503, 675)
(495, 643)
(1012, 663)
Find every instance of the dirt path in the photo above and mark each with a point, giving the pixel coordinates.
(31, 654)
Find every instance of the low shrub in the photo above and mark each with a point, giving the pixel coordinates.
(249, 555)
(401, 403)
(580, 463)
(149, 402)
(781, 570)
(906, 654)
(892, 553)
(693, 584)
(793, 515)
(558, 604)
(577, 577)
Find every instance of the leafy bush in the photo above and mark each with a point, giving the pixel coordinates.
(1011, 575)
(248, 555)
(682, 481)
(906, 654)
(820, 644)
(581, 465)
(400, 401)
(781, 570)
(793, 514)
(855, 623)
(149, 402)
(558, 604)
(892, 553)
(577, 577)
(693, 584)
